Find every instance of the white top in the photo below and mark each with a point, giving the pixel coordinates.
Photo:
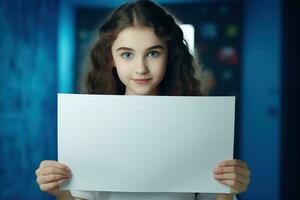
(142, 196)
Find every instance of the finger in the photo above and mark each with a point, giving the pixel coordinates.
(48, 186)
(37, 171)
(233, 162)
(231, 176)
(51, 170)
(50, 178)
(229, 169)
(53, 163)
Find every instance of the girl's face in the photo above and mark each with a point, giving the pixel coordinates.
(140, 58)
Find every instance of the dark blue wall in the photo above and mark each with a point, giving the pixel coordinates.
(28, 85)
(260, 142)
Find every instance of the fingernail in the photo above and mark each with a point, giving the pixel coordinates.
(215, 176)
(216, 169)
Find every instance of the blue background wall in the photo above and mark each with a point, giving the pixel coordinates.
(28, 86)
(261, 95)
(36, 58)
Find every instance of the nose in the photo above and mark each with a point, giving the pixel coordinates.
(141, 67)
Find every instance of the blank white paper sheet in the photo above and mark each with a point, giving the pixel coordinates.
(144, 143)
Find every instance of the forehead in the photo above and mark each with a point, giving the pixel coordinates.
(137, 38)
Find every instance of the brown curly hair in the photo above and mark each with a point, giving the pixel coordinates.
(179, 79)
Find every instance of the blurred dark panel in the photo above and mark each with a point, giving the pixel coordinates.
(218, 39)
(290, 152)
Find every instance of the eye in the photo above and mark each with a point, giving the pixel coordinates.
(126, 55)
(153, 54)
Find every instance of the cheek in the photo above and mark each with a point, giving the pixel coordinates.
(123, 70)
(122, 64)
(159, 68)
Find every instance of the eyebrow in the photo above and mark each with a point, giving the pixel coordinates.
(150, 48)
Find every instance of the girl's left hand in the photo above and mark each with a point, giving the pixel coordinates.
(233, 173)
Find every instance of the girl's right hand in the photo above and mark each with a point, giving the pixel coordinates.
(50, 175)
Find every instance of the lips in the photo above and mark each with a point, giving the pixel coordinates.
(142, 80)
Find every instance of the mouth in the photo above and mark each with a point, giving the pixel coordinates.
(142, 80)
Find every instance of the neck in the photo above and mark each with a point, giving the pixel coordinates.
(153, 92)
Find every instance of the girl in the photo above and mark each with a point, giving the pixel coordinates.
(141, 51)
